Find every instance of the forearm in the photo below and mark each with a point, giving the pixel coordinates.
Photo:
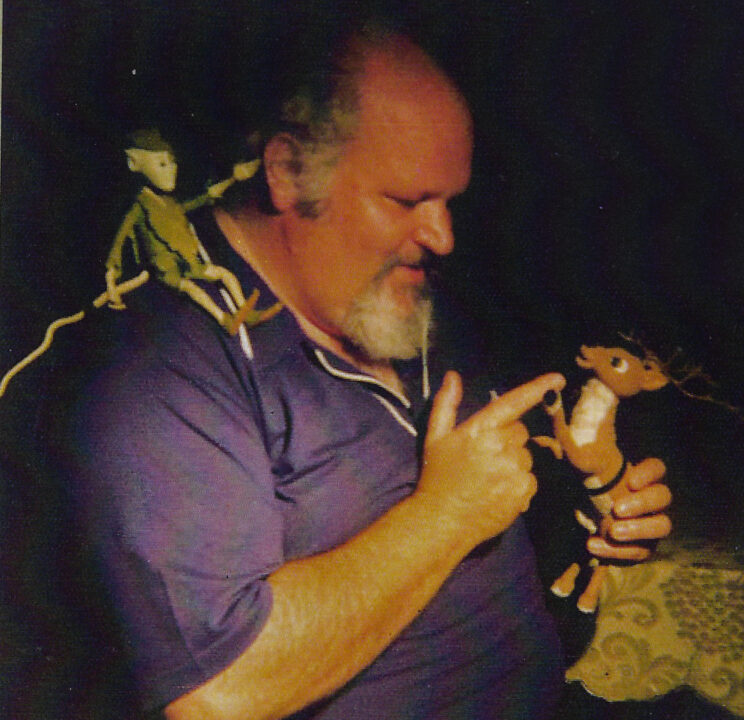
(334, 613)
(214, 192)
(197, 202)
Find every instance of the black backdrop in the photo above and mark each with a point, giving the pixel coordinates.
(607, 188)
(606, 193)
(607, 184)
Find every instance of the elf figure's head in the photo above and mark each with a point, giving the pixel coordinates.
(152, 156)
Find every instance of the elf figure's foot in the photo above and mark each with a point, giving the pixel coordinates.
(248, 314)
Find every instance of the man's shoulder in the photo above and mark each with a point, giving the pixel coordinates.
(123, 356)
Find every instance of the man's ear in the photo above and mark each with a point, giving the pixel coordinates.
(283, 164)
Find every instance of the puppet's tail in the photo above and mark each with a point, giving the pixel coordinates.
(61, 322)
(123, 288)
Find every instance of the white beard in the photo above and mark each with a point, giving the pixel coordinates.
(376, 325)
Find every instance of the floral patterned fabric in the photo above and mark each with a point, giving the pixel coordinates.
(676, 620)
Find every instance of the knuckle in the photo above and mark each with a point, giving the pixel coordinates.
(619, 530)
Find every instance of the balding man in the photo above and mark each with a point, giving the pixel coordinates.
(287, 526)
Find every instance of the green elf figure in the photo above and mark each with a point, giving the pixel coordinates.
(164, 241)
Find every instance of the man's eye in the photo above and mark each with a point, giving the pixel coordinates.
(403, 202)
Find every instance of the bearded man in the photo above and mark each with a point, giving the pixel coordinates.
(286, 522)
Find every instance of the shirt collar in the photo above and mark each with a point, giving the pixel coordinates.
(283, 330)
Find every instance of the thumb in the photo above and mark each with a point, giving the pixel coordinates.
(444, 408)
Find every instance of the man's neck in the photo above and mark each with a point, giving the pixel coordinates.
(257, 240)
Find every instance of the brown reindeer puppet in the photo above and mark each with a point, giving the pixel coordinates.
(589, 442)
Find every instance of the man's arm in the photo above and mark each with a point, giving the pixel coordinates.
(335, 612)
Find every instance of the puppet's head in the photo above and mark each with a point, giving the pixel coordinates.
(624, 373)
(149, 154)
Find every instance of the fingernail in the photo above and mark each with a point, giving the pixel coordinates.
(550, 397)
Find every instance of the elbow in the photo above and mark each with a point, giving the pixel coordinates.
(213, 702)
(201, 706)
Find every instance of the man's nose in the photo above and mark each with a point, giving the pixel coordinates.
(434, 226)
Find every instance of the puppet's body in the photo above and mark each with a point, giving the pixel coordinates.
(589, 442)
(165, 247)
(164, 242)
(161, 237)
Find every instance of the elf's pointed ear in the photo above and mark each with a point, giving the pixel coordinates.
(134, 160)
(283, 164)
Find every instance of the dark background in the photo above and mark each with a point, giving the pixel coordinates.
(606, 193)
(606, 189)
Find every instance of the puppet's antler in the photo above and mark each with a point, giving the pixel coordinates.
(683, 374)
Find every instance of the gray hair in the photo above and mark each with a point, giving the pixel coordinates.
(322, 115)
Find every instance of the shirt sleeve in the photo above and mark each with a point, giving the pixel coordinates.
(171, 467)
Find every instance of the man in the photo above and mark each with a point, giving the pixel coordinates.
(273, 537)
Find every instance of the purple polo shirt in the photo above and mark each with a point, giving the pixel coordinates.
(202, 463)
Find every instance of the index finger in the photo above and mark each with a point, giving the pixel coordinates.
(513, 404)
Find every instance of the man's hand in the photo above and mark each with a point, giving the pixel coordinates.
(637, 517)
(480, 471)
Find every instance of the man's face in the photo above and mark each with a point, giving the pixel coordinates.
(159, 167)
(358, 267)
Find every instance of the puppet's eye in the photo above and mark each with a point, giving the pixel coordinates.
(619, 364)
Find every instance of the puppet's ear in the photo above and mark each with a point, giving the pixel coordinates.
(653, 377)
(283, 165)
(133, 161)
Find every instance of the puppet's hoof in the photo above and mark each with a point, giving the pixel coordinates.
(587, 605)
(565, 584)
(552, 402)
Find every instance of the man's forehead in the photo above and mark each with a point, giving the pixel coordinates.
(413, 119)
(409, 91)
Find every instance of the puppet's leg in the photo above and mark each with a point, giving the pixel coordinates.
(246, 312)
(589, 599)
(564, 585)
(123, 288)
(217, 272)
(551, 443)
(202, 298)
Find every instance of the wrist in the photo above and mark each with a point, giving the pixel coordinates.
(449, 519)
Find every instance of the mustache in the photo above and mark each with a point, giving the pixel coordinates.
(426, 261)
